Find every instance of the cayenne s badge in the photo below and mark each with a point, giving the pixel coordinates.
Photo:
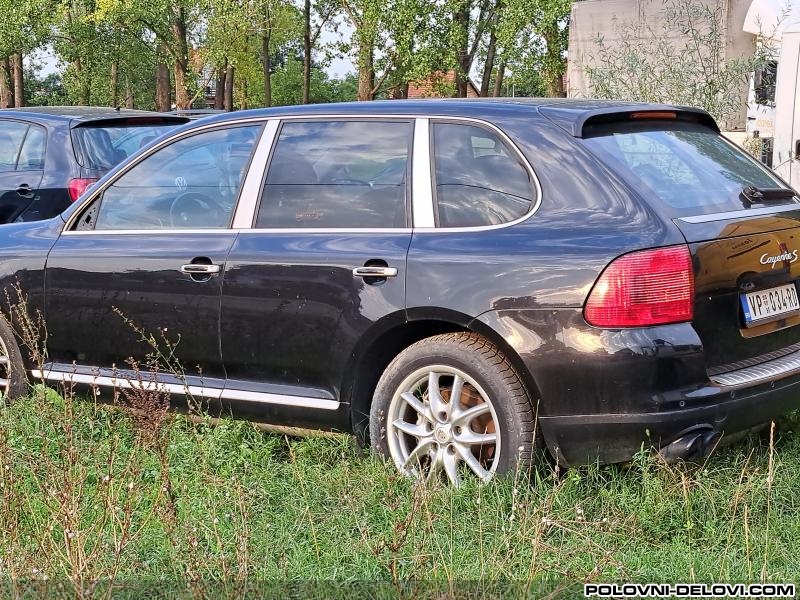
(789, 256)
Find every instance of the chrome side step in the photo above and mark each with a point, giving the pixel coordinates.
(772, 369)
(194, 390)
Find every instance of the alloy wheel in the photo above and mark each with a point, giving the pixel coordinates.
(441, 423)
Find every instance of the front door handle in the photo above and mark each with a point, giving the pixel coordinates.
(199, 269)
(375, 272)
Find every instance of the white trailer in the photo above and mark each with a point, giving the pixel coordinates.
(775, 117)
(786, 143)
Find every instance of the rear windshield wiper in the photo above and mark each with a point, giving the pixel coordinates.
(755, 195)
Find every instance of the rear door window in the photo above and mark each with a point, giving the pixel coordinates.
(337, 174)
(12, 135)
(480, 180)
(31, 156)
(686, 168)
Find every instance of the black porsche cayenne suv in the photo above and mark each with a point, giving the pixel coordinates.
(460, 282)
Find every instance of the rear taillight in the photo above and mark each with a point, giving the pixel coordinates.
(76, 187)
(649, 287)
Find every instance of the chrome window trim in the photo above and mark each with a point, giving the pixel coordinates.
(267, 119)
(537, 186)
(422, 208)
(735, 214)
(245, 212)
(195, 390)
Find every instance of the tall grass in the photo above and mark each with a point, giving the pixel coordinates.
(102, 501)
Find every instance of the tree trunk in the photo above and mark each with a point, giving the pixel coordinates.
(18, 75)
(114, 83)
(489, 66)
(6, 87)
(129, 103)
(181, 68)
(366, 72)
(498, 80)
(267, 68)
(553, 76)
(163, 103)
(219, 92)
(306, 51)
(461, 18)
(229, 73)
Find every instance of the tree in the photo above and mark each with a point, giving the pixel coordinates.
(316, 16)
(682, 62)
(394, 41)
(25, 24)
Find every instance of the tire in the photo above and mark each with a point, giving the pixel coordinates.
(13, 379)
(490, 431)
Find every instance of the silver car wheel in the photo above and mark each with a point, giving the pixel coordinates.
(439, 420)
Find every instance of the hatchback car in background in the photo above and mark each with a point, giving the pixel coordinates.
(463, 283)
(50, 155)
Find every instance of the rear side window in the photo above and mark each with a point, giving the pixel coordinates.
(479, 179)
(337, 174)
(31, 157)
(12, 135)
(685, 167)
(105, 146)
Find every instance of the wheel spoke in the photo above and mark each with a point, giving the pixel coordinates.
(435, 468)
(3, 383)
(418, 431)
(465, 416)
(450, 462)
(473, 463)
(3, 360)
(474, 439)
(415, 403)
(417, 453)
(455, 393)
(438, 404)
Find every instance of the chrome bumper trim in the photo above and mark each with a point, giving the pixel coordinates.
(773, 369)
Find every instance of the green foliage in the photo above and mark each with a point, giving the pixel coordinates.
(682, 62)
(102, 502)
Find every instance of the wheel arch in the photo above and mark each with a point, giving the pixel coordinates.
(369, 362)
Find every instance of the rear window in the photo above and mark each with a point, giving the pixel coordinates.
(104, 147)
(689, 168)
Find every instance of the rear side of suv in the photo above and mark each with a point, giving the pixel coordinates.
(462, 283)
(50, 155)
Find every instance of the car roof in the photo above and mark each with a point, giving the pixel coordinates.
(569, 114)
(81, 113)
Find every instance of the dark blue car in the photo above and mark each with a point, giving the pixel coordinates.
(50, 155)
(465, 284)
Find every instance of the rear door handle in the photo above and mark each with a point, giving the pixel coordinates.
(199, 269)
(25, 190)
(374, 272)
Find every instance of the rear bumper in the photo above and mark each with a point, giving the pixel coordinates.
(610, 438)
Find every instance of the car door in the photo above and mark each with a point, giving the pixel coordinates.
(143, 261)
(21, 166)
(323, 263)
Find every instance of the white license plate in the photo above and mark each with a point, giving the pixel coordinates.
(766, 304)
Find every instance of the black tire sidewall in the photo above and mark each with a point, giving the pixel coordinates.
(18, 379)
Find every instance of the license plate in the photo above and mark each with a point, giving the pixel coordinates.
(768, 304)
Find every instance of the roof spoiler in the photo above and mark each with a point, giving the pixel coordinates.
(134, 121)
(583, 124)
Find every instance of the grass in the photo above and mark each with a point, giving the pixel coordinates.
(100, 501)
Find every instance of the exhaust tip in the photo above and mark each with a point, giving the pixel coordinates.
(693, 445)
